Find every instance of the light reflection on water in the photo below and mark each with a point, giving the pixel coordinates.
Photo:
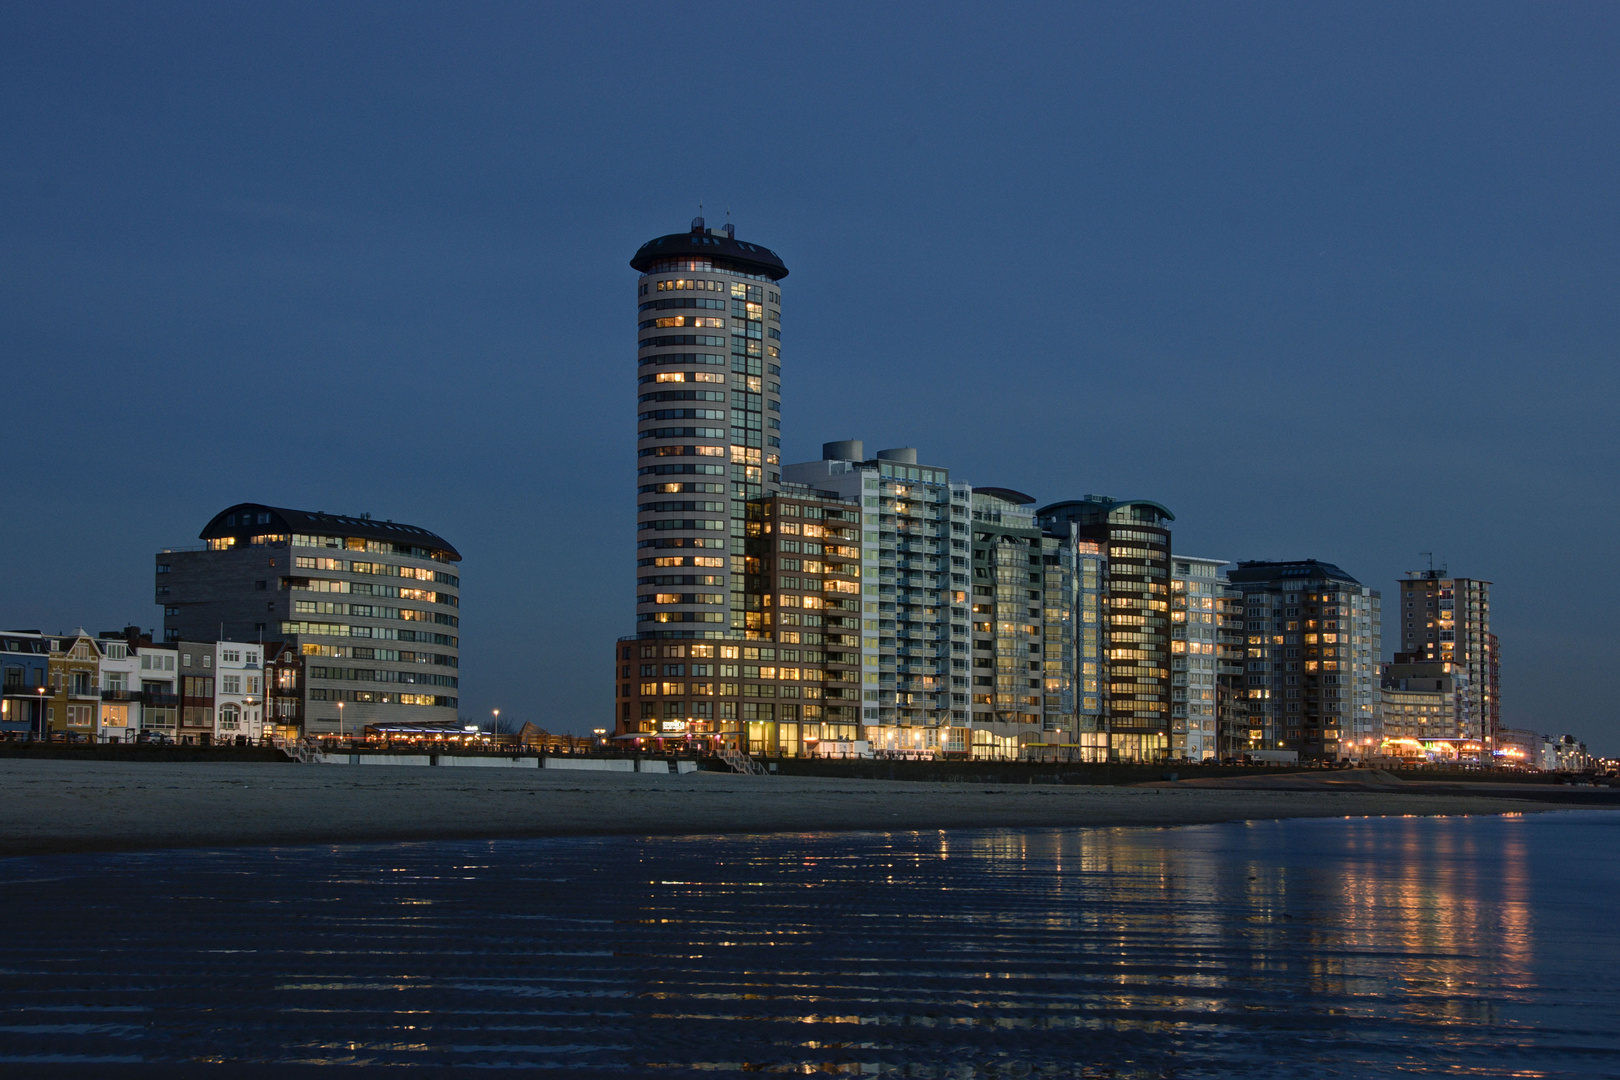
(1452, 946)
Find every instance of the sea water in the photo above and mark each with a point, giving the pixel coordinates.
(1466, 946)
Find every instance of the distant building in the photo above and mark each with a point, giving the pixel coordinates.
(790, 683)
(1236, 735)
(1021, 679)
(369, 609)
(1571, 755)
(1313, 650)
(75, 701)
(1136, 668)
(914, 551)
(1196, 591)
(239, 691)
(1445, 619)
(1526, 749)
(1075, 621)
(159, 670)
(708, 420)
(121, 699)
(1422, 705)
(25, 667)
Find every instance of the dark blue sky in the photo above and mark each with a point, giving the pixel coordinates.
(1331, 282)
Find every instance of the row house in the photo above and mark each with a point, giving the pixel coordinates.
(118, 684)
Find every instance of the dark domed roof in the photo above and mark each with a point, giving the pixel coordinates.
(749, 258)
(245, 520)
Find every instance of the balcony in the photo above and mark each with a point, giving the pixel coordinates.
(155, 698)
(120, 695)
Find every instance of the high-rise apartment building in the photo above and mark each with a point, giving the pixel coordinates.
(789, 681)
(366, 614)
(1196, 590)
(1135, 669)
(1020, 679)
(1231, 690)
(1313, 653)
(1448, 620)
(708, 424)
(914, 592)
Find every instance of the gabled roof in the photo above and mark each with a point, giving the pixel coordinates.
(232, 522)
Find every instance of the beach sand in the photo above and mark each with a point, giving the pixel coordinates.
(63, 806)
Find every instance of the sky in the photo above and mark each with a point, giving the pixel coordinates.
(1331, 281)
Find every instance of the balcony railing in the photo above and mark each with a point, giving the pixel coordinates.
(120, 695)
(153, 697)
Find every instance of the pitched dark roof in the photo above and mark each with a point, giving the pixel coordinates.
(1304, 569)
(232, 522)
(750, 258)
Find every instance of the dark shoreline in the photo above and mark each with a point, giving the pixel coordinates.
(57, 806)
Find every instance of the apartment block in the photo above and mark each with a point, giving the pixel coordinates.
(789, 682)
(1423, 712)
(1023, 614)
(370, 609)
(914, 544)
(1135, 661)
(1235, 733)
(708, 421)
(1445, 619)
(1313, 648)
(1196, 590)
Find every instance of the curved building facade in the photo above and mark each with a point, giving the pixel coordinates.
(708, 423)
(360, 618)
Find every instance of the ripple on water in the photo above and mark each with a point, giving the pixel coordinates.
(1455, 946)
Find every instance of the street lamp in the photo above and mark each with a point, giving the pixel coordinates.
(43, 731)
(495, 727)
(340, 721)
(601, 734)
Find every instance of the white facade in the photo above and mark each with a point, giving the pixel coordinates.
(238, 691)
(155, 667)
(120, 713)
(1195, 591)
(914, 592)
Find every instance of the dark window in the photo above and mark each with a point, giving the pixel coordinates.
(260, 585)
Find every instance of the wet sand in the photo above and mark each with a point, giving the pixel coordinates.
(62, 806)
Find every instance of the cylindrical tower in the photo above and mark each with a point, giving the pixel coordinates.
(708, 423)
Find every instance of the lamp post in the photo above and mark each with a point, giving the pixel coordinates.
(340, 721)
(601, 737)
(44, 732)
(494, 727)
